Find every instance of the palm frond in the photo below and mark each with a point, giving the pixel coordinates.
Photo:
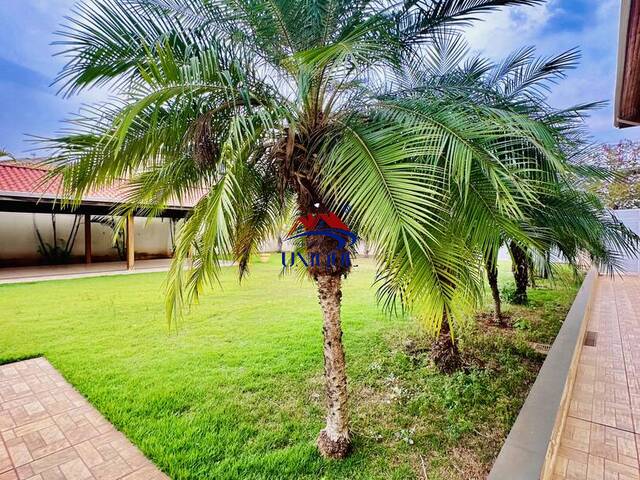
(419, 19)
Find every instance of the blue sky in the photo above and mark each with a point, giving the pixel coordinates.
(27, 65)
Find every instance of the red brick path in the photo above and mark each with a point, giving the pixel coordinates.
(50, 432)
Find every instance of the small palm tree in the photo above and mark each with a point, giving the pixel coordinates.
(573, 224)
(517, 84)
(260, 103)
(562, 218)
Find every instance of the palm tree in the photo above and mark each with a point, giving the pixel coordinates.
(575, 223)
(572, 224)
(259, 103)
(520, 83)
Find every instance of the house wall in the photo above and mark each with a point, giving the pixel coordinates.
(19, 243)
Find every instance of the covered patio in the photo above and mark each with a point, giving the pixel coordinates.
(24, 188)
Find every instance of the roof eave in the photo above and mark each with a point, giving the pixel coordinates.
(46, 198)
(625, 10)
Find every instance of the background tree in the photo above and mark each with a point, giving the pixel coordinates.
(621, 190)
(538, 227)
(256, 102)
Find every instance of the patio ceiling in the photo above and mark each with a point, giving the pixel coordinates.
(24, 202)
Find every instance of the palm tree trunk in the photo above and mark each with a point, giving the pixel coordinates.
(333, 440)
(520, 273)
(492, 275)
(545, 271)
(532, 274)
(444, 350)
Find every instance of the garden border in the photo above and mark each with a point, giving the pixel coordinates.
(530, 449)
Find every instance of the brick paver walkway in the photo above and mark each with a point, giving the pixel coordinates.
(601, 440)
(50, 432)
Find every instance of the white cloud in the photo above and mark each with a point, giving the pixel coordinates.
(558, 25)
(508, 29)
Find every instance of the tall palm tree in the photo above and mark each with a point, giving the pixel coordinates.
(260, 102)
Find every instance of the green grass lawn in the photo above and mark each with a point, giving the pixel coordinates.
(236, 393)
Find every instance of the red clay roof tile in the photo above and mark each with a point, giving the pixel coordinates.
(28, 180)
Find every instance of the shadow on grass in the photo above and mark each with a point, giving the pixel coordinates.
(6, 360)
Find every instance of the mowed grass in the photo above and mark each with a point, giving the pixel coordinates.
(237, 392)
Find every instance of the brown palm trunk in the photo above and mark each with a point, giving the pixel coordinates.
(492, 276)
(532, 273)
(444, 350)
(545, 271)
(333, 440)
(520, 273)
(327, 265)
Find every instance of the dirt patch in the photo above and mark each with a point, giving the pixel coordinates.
(487, 319)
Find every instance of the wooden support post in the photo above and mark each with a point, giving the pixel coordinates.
(130, 243)
(87, 238)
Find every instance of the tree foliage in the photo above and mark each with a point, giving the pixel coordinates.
(620, 189)
(371, 109)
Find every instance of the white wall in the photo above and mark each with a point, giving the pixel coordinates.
(152, 237)
(19, 243)
(631, 218)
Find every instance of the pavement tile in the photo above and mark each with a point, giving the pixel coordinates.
(601, 437)
(48, 431)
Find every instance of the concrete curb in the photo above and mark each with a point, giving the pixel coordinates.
(529, 451)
